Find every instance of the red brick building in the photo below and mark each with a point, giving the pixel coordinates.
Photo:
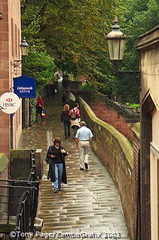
(10, 39)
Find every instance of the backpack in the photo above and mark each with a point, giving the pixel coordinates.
(73, 115)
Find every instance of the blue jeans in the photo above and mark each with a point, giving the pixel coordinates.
(58, 175)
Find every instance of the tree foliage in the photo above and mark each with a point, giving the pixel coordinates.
(72, 32)
(39, 64)
(138, 17)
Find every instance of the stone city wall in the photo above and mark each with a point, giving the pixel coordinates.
(116, 153)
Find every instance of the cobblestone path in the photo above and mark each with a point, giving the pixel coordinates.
(89, 206)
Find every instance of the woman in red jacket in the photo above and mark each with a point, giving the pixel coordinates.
(39, 107)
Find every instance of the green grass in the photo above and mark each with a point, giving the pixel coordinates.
(131, 105)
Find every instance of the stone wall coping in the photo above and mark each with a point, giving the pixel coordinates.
(38, 150)
(3, 162)
(149, 40)
(122, 140)
(20, 150)
(136, 130)
(19, 153)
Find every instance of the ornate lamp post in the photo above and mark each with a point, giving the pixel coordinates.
(116, 45)
(24, 47)
(116, 42)
(24, 52)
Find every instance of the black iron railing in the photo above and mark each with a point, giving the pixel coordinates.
(26, 213)
(18, 201)
(32, 175)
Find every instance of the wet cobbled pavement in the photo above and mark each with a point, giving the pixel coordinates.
(89, 206)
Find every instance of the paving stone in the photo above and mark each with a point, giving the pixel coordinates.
(90, 201)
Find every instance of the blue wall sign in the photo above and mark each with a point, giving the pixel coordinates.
(25, 87)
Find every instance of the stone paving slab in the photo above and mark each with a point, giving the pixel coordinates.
(89, 203)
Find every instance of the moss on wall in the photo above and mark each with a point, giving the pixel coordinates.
(136, 130)
(3, 162)
(19, 164)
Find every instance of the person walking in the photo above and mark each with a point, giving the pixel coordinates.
(65, 118)
(83, 140)
(39, 107)
(56, 159)
(74, 114)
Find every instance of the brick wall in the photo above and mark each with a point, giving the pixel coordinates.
(10, 38)
(114, 114)
(116, 154)
(110, 116)
(108, 111)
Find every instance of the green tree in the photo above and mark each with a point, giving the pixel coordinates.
(31, 24)
(138, 17)
(73, 31)
(40, 65)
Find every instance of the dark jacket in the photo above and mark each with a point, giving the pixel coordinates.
(50, 161)
(65, 118)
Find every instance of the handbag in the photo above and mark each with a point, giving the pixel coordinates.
(43, 113)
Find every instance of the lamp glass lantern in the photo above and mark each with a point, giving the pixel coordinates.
(24, 47)
(24, 52)
(116, 42)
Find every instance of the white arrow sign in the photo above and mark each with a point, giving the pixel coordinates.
(9, 102)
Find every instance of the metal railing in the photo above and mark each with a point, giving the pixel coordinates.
(32, 175)
(18, 201)
(27, 211)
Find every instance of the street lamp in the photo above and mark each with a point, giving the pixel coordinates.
(116, 42)
(24, 52)
(24, 47)
(116, 45)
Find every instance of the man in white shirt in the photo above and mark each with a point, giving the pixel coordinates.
(83, 140)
